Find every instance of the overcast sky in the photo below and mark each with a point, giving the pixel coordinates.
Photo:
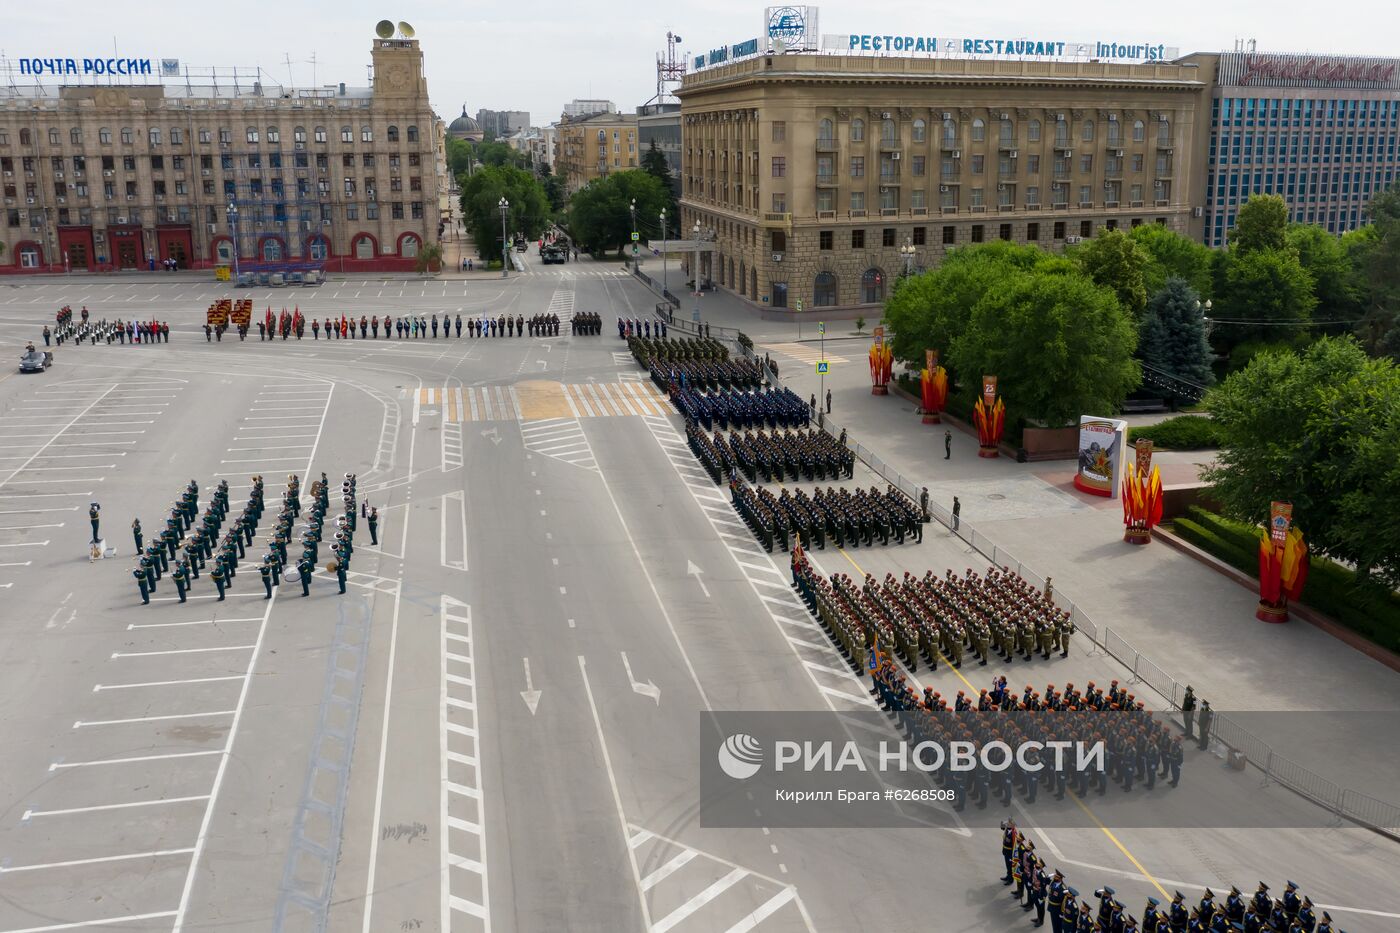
(537, 56)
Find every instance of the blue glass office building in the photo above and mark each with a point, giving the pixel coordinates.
(1321, 131)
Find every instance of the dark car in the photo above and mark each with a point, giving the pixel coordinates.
(35, 361)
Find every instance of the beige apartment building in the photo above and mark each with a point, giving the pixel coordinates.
(595, 145)
(821, 177)
(117, 176)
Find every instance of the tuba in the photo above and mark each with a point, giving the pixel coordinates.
(332, 567)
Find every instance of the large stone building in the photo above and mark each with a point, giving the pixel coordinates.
(660, 123)
(125, 175)
(594, 146)
(819, 177)
(503, 123)
(1320, 130)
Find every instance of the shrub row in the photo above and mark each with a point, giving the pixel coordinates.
(1184, 432)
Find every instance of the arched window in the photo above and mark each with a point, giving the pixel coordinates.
(920, 131)
(857, 130)
(1061, 134)
(825, 130)
(317, 248)
(1115, 133)
(364, 247)
(223, 252)
(272, 250)
(53, 137)
(393, 134)
(950, 133)
(104, 136)
(602, 136)
(413, 134)
(408, 247)
(824, 290)
(299, 134)
(75, 136)
(347, 134)
(1139, 131)
(979, 130)
(153, 135)
(274, 134)
(320, 132)
(872, 286)
(176, 136)
(1033, 131)
(366, 134)
(252, 134)
(1008, 133)
(127, 136)
(1087, 135)
(1164, 132)
(889, 132)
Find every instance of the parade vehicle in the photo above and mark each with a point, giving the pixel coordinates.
(35, 361)
(553, 253)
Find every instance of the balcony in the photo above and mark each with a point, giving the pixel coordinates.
(920, 211)
(857, 212)
(889, 145)
(777, 220)
(889, 212)
(950, 145)
(826, 144)
(826, 180)
(826, 215)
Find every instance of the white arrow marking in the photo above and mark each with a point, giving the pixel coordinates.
(544, 364)
(492, 433)
(647, 689)
(694, 571)
(530, 695)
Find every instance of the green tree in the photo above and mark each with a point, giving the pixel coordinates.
(1377, 259)
(1262, 223)
(557, 193)
(429, 258)
(1327, 261)
(1269, 290)
(1318, 429)
(1171, 254)
(599, 213)
(654, 164)
(1174, 333)
(1059, 344)
(1115, 261)
(459, 156)
(481, 195)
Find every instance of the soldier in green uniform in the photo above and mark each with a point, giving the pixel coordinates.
(179, 576)
(191, 559)
(93, 511)
(136, 533)
(157, 558)
(340, 571)
(304, 567)
(373, 520)
(218, 575)
(141, 574)
(265, 569)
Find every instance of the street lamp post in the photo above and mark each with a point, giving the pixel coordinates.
(696, 270)
(663, 254)
(636, 252)
(505, 206)
(907, 251)
(233, 229)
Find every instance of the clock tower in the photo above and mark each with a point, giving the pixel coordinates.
(398, 70)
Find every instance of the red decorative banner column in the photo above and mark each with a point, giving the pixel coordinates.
(881, 363)
(989, 416)
(1283, 564)
(933, 386)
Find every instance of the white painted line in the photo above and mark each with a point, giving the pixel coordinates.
(31, 814)
(770, 907)
(640, 838)
(842, 695)
(699, 900)
(151, 654)
(82, 724)
(136, 625)
(165, 683)
(105, 921)
(122, 761)
(469, 907)
(93, 861)
(56, 436)
(668, 869)
(813, 665)
(27, 544)
(29, 527)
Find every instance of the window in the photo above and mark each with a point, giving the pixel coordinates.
(887, 236)
(29, 256)
(104, 136)
(128, 163)
(917, 165)
(779, 131)
(857, 166)
(920, 236)
(824, 239)
(75, 136)
(157, 163)
(1085, 196)
(274, 135)
(177, 136)
(950, 134)
(857, 130)
(127, 136)
(299, 135)
(225, 135)
(53, 137)
(826, 133)
(825, 200)
(948, 197)
(857, 239)
(1061, 134)
(320, 134)
(1115, 133)
(1086, 228)
(1086, 162)
(824, 290)
(368, 159)
(1059, 229)
(1004, 231)
(889, 132)
(1135, 192)
(1033, 195)
(1137, 162)
(872, 286)
(1139, 131)
(1087, 135)
(1008, 133)
(251, 133)
(920, 132)
(413, 134)
(857, 201)
(950, 236)
(918, 200)
(1032, 232)
(347, 160)
(779, 202)
(978, 163)
(778, 241)
(205, 137)
(366, 134)
(979, 130)
(977, 233)
(1033, 165)
(979, 197)
(1033, 131)
(779, 166)
(1164, 132)
(371, 211)
(347, 134)
(393, 134)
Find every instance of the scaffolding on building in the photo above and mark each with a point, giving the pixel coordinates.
(281, 218)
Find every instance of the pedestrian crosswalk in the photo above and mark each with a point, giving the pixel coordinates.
(805, 352)
(558, 272)
(559, 439)
(459, 404)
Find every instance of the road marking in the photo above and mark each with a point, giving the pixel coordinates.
(81, 724)
(766, 910)
(668, 869)
(164, 683)
(93, 861)
(32, 814)
(49, 928)
(699, 900)
(149, 654)
(57, 435)
(122, 761)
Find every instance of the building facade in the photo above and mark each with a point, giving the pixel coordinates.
(819, 177)
(1320, 130)
(502, 123)
(582, 107)
(124, 176)
(660, 123)
(594, 146)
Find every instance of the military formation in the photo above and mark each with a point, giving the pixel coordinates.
(710, 375)
(1048, 893)
(794, 455)
(586, 324)
(848, 519)
(183, 550)
(628, 328)
(647, 349)
(82, 329)
(741, 408)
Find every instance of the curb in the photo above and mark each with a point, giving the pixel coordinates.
(1314, 618)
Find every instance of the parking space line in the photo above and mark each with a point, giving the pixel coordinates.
(165, 683)
(105, 921)
(83, 724)
(122, 761)
(151, 654)
(31, 814)
(93, 861)
(136, 625)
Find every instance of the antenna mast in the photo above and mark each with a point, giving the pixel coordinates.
(670, 68)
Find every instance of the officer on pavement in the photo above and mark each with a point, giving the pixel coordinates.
(136, 533)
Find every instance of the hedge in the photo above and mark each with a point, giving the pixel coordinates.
(1184, 432)
(1369, 609)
